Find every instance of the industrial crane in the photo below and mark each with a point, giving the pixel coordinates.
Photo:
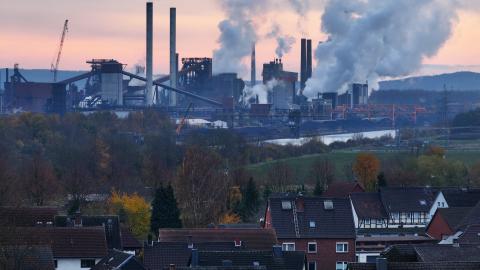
(182, 122)
(56, 61)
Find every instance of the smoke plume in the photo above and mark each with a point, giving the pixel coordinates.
(284, 42)
(371, 39)
(237, 34)
(260, 90)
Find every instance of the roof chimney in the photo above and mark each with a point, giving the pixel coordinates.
(171, 267)
(194, 262)
(78, 219)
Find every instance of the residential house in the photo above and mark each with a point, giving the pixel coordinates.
(425, 257)
(373, 233)
(323, 228)
(118, 260)
(72, 247)
(274, 259)
(27, 216)
(445, 222)
(117, 237)
(174, 246)
(26, 257)
(461, 197)
(342, 189)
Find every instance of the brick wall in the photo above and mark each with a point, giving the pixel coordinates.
(326, 255)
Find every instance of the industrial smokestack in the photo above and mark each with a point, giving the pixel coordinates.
(149, 73)
(253, 67)
(173, 55)
(309, 60)
(303, 63)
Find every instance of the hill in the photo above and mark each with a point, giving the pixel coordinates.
(466, 81)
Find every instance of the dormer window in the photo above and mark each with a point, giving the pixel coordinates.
(238, 243)
(286, 205)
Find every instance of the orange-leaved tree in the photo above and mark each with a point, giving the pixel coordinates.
(366, 168)
(133, 210)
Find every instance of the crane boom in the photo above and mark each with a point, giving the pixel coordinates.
(56, 61)
(182, 122)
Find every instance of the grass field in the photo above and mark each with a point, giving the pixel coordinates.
(301, 165)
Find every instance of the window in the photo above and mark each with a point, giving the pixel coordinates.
(328, 204)
(341, 266)
(312, 266)
(286, 205)
(55, 263)
(288, 246)
(423, 202)
(88, 263)
(312, 247)
(342, 247)
(312, 224)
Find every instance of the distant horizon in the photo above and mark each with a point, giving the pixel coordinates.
(30, 23)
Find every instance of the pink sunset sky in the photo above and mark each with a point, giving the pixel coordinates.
(116, 29)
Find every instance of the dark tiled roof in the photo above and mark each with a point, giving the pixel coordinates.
(288, 260)
(456, 197)
(110, 223)
(407, 199)
(333, 223)
(251, 238)
(400, 253)
(27, 258)
(471, 235)
(453, 215)
(342, 189)
(472, 218)
(368, 205)
(419, 266)
(26, 216)
(68, 242)
(161, 254)
(129, 242)
(118, 260)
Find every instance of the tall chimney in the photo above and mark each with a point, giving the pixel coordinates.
(309, 60)
(303, 63)
(173, 55)
(149, 72)
(253, 68)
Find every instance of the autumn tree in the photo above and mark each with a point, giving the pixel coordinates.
(38, 178)
(434, 150)
(165, 212)
(134, 212)
(366, 169)
(202, 187)
(322, 172)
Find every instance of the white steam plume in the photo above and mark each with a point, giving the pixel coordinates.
(371, 39)
(284, 42)
(260, 90)
(237, 34)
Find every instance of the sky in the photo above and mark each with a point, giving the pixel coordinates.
(115, 29)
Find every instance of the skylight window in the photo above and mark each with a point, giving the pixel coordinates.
(423, 202)
(286, 205)
(328, 204)
(312, 224)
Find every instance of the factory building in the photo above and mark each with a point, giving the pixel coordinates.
(23, 95)
(356, 95)
(283, 94)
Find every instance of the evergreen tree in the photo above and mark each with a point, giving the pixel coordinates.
(318, 189)
(250, 200)
(165, 212)
(381, 180)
